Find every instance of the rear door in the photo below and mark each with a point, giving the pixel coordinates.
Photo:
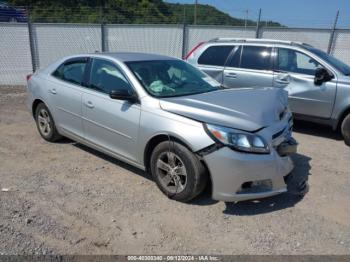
(249, 66)
(65, 91)
(212, 60)
(295, 72)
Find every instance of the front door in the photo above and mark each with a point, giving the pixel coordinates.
(109, 123)
(295, 72)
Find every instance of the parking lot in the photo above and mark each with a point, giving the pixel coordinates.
(65, 198)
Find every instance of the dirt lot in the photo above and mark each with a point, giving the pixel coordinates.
(67, 199)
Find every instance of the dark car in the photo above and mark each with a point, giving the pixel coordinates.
(12, 14)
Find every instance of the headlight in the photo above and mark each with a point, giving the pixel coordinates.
(238, 140)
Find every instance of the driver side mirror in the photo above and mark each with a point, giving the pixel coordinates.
(123, 94)
(322, 75)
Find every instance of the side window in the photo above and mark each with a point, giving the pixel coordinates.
(105, 77)
(72, 72)
(215, 55)
(256, 57)
(235, 58)
(294, 61)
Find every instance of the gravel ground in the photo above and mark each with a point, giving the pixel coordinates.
(65, 198)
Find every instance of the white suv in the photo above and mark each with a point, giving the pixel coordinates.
(318, 84)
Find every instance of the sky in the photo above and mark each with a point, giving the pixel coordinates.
(292, 13)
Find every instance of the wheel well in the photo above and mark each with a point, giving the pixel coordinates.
(161, 138)
(343, 115)
(35, 105)
(154, 142)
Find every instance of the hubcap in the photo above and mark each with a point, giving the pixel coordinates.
(171, 172)
(44, 122)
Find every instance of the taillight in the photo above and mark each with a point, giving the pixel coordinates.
(192, 50)
(29, 76)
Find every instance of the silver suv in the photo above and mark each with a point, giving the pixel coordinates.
(165, 116)
(318, 84)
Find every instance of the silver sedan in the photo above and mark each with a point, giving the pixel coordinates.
(164, 116)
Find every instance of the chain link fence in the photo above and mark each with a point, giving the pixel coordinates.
(160, 39)
(15, 55)
(341, 45)
(29, 46)
(196, 34)
(54, 41)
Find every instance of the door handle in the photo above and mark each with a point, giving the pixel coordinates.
(282, 81)
(89, 104)
(231, 75)
(53, 91)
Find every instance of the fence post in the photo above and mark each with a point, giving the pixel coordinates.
(103, 37)
(103, 31)
(331, 38)
(257, 32)
(184, 34)
(184, 40)
(32, 43)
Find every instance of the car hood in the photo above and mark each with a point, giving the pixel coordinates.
(248, 109)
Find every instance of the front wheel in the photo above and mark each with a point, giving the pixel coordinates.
(177, 171)
(345, 129)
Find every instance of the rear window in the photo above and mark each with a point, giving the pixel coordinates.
(256, 57)
(72, 71)
(215, 55)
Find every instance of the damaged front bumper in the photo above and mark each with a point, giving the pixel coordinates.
(287, 147)
(238, 176)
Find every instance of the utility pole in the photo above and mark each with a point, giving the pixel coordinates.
(195, 12)
(246, 18)
(257, 33)
(331, 39)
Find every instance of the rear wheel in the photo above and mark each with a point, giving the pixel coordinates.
(45, 124)
(345, 129)
(177, 171)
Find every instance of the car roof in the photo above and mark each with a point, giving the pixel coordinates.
(257, 40)
(134, 57)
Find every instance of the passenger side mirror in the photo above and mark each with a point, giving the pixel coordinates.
(123, 94)
(322, 75)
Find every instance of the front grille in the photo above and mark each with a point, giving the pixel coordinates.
(290, 128)
(281, 115)
(259, 186)
(278, 134)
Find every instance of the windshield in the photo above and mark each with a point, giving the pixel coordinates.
(337, 64)
(170, 78)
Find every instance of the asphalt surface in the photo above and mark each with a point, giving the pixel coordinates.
(65, 198)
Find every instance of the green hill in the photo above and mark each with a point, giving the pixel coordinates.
(126, 12)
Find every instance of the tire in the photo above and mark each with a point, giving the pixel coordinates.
(187, 177)
(45, 124)
(345, 129)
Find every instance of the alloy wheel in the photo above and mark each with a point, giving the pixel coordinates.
(171, 172)
(44, 122)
